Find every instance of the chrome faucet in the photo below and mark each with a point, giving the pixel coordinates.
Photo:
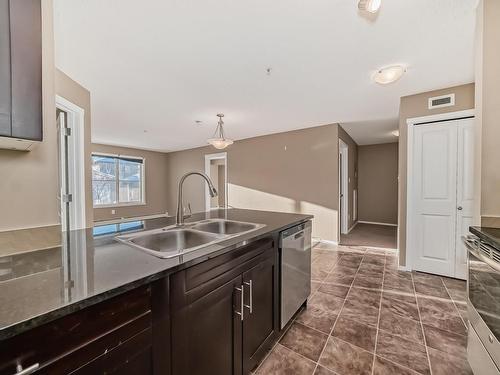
(180, 206)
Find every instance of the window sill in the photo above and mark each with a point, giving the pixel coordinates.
(118, 205)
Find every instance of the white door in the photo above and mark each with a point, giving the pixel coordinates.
(434, 197)
(465, 192)
(442, 195)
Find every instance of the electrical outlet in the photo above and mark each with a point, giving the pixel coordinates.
(113, 212)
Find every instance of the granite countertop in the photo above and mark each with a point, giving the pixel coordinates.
(39, 286)
(489, 235)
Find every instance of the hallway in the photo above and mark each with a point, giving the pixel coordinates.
(371, 235)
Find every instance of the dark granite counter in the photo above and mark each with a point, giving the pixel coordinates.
(489, 235)
(39, 286)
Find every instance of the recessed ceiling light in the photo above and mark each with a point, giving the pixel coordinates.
(371, 6)
(395, 133)
(389, 74)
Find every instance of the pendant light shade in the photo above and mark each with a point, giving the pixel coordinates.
(219, 141)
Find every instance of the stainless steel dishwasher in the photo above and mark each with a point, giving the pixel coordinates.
(295, 250)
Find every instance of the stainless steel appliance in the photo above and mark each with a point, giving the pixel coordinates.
(483, 289)
(295, 250)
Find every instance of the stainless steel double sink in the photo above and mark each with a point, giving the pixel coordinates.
(173, 241)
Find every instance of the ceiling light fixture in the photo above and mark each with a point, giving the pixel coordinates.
(389, 74)
(371, 6)
(219, 141)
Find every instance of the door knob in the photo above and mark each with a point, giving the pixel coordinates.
(459, 208)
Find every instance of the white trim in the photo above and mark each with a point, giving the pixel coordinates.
(76, 121)
(404, 268)
(376, 223)
(410, 123)
(352, 227)
(450, 104)
(329, 242)
(208, 158)
(344, 182)
(126, 219)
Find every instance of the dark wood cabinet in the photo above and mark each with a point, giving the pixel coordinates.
(21, 69)
(114, 336)
(224, 312)
(260, 321)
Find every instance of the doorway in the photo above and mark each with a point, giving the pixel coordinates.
(343, 186)
(216, 169)
(70, 126)
(440, 194)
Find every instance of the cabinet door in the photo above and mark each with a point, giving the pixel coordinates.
(26, 68)
(206, 334)
(4, 69)
(260, 322)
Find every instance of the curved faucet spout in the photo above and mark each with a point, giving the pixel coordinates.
(180, 208)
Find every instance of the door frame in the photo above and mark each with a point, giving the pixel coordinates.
(344, 183)
(208, 158)
(410, 126)
(76, 155)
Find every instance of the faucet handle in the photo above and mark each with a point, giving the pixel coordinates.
(189, 211)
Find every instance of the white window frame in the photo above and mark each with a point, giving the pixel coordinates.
(143, 182)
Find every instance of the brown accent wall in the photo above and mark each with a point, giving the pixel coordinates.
(156, 182)
(295, 171)
(29, 183)
(489, 109)
(79, 95)
(378, 183)
(353, 172)
(416, 106)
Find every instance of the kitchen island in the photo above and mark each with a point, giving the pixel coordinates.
(112, 308)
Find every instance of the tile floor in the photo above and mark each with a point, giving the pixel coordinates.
(366, 317)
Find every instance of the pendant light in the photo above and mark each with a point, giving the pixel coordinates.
(219, 141)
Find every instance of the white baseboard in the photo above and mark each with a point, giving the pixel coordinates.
(404, 268)
(376, 223)
(329, 242)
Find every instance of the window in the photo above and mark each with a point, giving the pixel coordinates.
(117, 180)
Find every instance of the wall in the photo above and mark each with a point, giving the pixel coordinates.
(378, 183)
(416, 106)
(29, 184)
(352, 160)
(294, 171)
(490, 114)
(157, 188)
(79, 95)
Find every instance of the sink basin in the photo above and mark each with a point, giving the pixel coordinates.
(173, 241)
(168, 243)
(221, 226)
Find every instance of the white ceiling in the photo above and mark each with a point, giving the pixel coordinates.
(160, 65)
(372, 132)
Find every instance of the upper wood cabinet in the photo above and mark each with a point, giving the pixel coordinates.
(21, 69)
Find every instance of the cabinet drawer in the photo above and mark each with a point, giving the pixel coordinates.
(190, 284)
(97, 328)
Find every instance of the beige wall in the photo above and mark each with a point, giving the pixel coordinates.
(416, 106)
(29, 183)
(490, 113)
(378, 183)
(353, 172)
(294, 171)
(79, 95)
(156, 181)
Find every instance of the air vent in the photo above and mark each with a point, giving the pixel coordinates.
(442, 101)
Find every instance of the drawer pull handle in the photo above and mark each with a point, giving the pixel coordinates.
(27, 370)
(242, 302)
(250, 306)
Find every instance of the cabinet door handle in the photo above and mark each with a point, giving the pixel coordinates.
(242, 301)
(27, 370)
(250, 306)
